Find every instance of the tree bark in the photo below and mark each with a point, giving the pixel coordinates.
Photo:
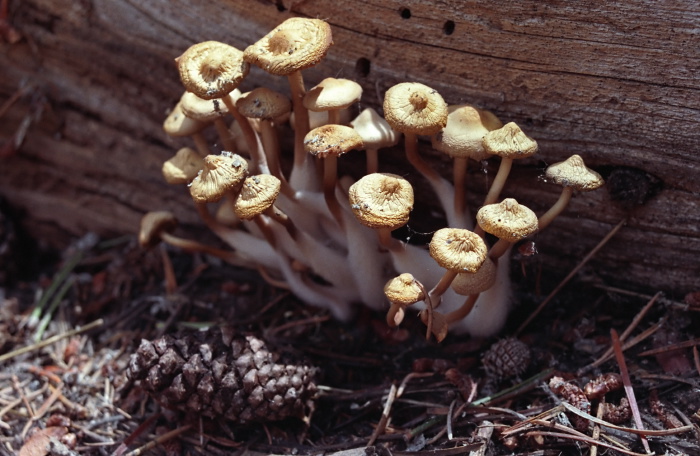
(92, 81)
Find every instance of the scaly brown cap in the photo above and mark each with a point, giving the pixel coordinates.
(411, 107)
(458, 249)
(462, 136)
(573, 173)
(178, 124)
(468, 283)
(374, 130)
(332, 140)
(221, 174)
(211, 69)
(153, 224)
(201, 109)
(403, 290)
(507, 220)
(509, 141)
(381, 200)
(257, 195)
(332, 93)
(263, 103)
(294, 45)
(182, 167)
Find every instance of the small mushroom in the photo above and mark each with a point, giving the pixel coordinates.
(572, 174)
(508, 221)
(177, 124)
(257, 197)
(296, 44)
(328, 143)
(182, 167)
(209, 111)
(383, 202)
(510, 143)
(402, 291)
(332, 95)
(222, 174)
(461, 139)
(376, 134)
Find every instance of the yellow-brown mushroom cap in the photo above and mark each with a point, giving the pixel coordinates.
(381, 200)
(263, 103)
(573, 173)
(221, 174)
(182, 167)
(153, 224)
(467, 283)
(411, 107)
(257, 195)
(332, 140)
(294, 45)
(458, 249)
(374, 130)
(178, 124)
(509, 141)
(507, 220)
(332, 93)
(404, 290)
(201, 109)
(211, 69)
(463, 135)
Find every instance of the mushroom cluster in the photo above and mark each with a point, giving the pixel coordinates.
(324, 236)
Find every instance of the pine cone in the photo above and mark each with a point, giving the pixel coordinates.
(216, 374)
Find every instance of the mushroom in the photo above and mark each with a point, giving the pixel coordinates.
(508, 221)
(402, 291)
(383, 202)
(222, 174)
(572, 174)
(510, 143)
(376, 134)
(332, 95)
(415, 109)
(182, 167)
(213, 70)
(461, 139)
(209, 111)
(328, 143)
(296, 44)
(257, 197)
(178, 124)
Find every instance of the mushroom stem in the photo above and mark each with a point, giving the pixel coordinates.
(372, 160)
(395, 315)
(301, 119)
(191, 246)
(459, 175)
(266, 231)
(168, 271)
(224, 134)
(334, 117)
(463, 310)
(556, 209)
(499, 181)
(280, 217)
(386, 240)
(499, 249)
(441, 287)
(330, 175)
(251, 138)
(271, 148)
(201, 144)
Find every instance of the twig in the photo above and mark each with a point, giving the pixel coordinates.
(628, 387)
(51, 340)
(163, 438)
(583, 439)
(662, 300)
(656, 351)
(385, 415)
(596, 428)
(573, 272)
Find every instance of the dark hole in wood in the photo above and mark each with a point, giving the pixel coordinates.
(362, 67)
(405, 12)
(448, 27)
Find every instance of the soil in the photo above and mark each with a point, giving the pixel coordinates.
(72, 397)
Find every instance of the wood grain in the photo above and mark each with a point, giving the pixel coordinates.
(615, 82)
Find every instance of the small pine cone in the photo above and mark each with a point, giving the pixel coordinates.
(220, 375)
(506, 358)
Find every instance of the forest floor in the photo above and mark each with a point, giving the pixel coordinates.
(382, 391)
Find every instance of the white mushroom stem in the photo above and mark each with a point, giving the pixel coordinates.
(191, 246)
(330, 178)
(556, 209)
(259, 161)
(499, 181)
(271, 148)
(224, 135)
(442, 188)
(201, 144)
(301, 128)
(280, 217)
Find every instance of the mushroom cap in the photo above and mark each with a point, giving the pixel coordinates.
(458, 249)
(263, 103)
(507, 220)
(178, 124)
(376, 133)
(573, 173)
(221, 174)
(509, 141)
(294, 45)
(332, 93)
(153, 224)
(381, 200)
(332, 140)
(211, 69)
(462, 136)
(412, 107)
(257, 195)
(182, 167)
(403, 290)
(468, 283)
(201, 109)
